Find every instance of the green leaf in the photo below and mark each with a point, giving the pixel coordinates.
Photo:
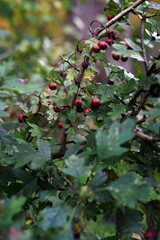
(44, 148)
(75, 167)
(106, 92)
(117, 110)
(153, 5)
(128, 190)
(73, 150)
(7, 141)
(35, 130)
(73, 89)
(71, 74)
(133, 45)
(127, 88)
(14, 85)
(12, 207)
(136, 55)
(55, 217)
(98, 180)
(3, 106)
(110, 145)
(153, 113)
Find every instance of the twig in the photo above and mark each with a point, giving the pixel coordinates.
(120, 5)
(63, 148)
(144, 98)
(121, 101)
(69, 64)
(146, 137)
(142, 120)
(119, 16)
(69, 182)
(142, 44)
(135, 96)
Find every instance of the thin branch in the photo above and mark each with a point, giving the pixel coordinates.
(135, 96)
(69, 182)
(142, 120)
(63, 148)
(121, 101)
(142, 44)
(119, 16)
(67, 61)
(144, 98)
(146, 137)
(120, 5)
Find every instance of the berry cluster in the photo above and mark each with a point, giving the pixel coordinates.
(111, 37)
(150, 233)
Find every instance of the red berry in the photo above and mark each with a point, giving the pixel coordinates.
(80, 109)
(124, 59)
(60, 124)
(110, 16)
(57, 108)
(78, 103)
(96, 48)
(76, 234)
(109, 41)
(115, 57)
(11, 113)
(110, 82)
(87, 111)
(128, 47)
(112, 34)
(29, 217)
(22, 118)
(95, 103)
(102, 45)
(53, 86)
(150, 233)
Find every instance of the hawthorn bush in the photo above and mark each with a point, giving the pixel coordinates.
(62, 178)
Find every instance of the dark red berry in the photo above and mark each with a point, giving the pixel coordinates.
(85, 65)
(124, 59)
(112, 34)
(87, 111)
(76, 234)
(11, 113)
(95, 103)
(22, 118)
(29, 217)
(96, 48)
(60, 124)
(78, 103)
(53, 86)
(150, 233)
(102, 45)
(128, 47)
(110, 82)
(80, 109)
(110, 16)
(115, 57)
(57, 108)
(109, 41)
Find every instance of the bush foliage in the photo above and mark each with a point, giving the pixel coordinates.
(67, 173)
